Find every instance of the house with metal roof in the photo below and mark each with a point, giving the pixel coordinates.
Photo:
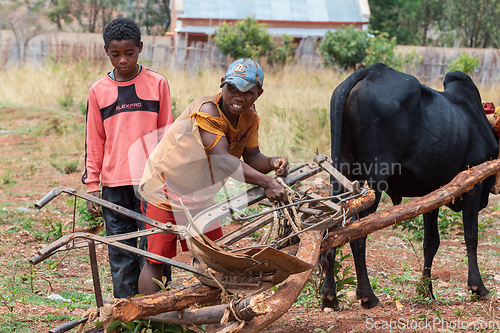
(298, 18)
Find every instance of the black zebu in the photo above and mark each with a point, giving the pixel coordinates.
(407, 139)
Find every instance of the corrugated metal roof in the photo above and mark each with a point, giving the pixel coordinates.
(294, 32)
(275, 10)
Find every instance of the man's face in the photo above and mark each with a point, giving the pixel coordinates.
(236, 102)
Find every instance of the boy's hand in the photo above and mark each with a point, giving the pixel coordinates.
(280, 166)
(94, 209)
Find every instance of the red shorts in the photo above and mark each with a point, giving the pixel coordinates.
(166, 244)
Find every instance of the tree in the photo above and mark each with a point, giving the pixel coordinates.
(245, 39)
(407, 20)
(100, 10)
(472, 23)
(387, 16)
(91, 15)
(153, 15)
(476, 22)
(345, 48)
(59, 11)
(430, 16)
(23, 18)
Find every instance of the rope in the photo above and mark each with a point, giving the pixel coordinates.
(104, 314)
(294, 222)
(232, 328)
(224, 293)
(269, 232)
(280, 221)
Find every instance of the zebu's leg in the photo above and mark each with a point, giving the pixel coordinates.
(470, 220)
(364, 290)
(329, 288)
(431, 245)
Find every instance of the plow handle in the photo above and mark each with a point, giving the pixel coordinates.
(37, 259)
(66, 327)
(49, 196)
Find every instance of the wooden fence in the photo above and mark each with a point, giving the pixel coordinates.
(170, 53)
(158, 51)
(435, 60)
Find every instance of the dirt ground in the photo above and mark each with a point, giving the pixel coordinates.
(394, 264)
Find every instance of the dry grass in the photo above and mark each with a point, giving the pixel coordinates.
(294, 106)
(45, 129)
(490, 93)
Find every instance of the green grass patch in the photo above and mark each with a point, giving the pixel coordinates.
(22, 323)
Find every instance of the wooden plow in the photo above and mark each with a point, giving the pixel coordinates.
(231, 281)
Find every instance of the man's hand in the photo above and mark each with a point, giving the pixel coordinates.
(274, 191)
(94, 209)
(280, 166)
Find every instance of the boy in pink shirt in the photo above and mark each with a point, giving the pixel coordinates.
(127, 112)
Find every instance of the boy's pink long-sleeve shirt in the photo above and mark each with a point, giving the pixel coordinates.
(125, 122)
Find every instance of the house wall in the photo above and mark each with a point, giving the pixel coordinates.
(271, 24)
(193, 38)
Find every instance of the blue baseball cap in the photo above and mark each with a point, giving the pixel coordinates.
(244, 74)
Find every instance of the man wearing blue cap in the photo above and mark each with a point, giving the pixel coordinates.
(197, 155)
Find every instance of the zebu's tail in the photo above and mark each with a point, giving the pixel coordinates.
(337, 105)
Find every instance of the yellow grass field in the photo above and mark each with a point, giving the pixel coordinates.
(42, 129)
(294, 107)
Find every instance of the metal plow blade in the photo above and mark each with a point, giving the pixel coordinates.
(248, 272)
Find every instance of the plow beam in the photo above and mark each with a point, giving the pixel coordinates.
(462, 183)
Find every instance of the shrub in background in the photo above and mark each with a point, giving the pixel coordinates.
(350, 48)
(381, 49)
(465, 63)
(282, 53)
(245, 39)
(345, 48)
(251, 39)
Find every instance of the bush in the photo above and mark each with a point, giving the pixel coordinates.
(245, 39)
(283, 52)
(381, 49)
(465, 63)
(345, 48)
(250, 39)
(350, 48)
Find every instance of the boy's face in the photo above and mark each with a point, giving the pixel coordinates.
(236, 102)
(123, 55)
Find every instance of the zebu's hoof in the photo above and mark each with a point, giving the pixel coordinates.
(371, 303)
(329, 303)
(480, 293)
(368, 299)
(328, 310)
(486, 297)
(424, 288)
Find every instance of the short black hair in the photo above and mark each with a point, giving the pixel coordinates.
(121, 28)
